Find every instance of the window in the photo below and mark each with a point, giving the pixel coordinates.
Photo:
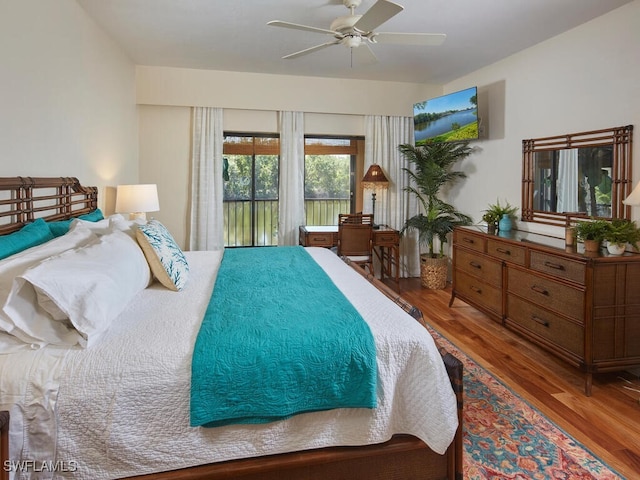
(250, 198)
(251, 169)
(329, 178)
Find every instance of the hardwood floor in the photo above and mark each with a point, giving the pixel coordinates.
(607, 423)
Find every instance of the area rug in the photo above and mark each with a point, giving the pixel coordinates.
(504, 437)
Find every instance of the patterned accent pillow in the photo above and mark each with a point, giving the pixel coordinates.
(165, 258)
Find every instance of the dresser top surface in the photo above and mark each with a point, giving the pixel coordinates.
(548, 243)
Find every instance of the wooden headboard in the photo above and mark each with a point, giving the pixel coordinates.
(23, 199)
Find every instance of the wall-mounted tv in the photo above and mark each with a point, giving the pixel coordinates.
(449, 118)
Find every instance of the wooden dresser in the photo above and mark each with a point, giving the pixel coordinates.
(584, 309)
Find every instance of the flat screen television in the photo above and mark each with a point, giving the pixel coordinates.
(449, 118)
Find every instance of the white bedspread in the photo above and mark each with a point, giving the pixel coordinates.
(122, 407)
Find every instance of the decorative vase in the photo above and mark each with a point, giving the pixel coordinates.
(505, 223)
(569, 236)
(616, 248)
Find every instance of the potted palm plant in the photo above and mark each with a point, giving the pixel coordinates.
(432, 170)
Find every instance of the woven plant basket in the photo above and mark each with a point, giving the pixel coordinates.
(433, 272)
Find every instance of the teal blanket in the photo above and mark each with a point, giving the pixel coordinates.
(278, 338)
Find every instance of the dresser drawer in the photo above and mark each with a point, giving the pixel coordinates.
(478, 292)
(553, 295)
(560, 331)
(480, 266)
(507, 251)
(467, 240)
(558, 266)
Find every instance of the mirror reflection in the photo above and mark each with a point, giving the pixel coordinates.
(577, 175)
(575, 180)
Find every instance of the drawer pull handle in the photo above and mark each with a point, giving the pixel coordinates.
(475, 265)
(319, 239)
(555, 266)
(503, 250)
(539, 289)
(539, 320)
(476, 289)
(468, 240)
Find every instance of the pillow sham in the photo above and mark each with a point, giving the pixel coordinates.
(61, 227)
(89, 286)
(31, 235)
(118, 222)
(167, 261)
(12, 267)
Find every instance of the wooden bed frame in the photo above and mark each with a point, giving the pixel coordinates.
(404, 457)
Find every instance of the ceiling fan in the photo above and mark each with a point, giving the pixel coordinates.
(355, 31)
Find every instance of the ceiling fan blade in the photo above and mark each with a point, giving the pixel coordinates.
(310, 50)
(408, 38)
(295, 26)
(363, 55)
(381, 11)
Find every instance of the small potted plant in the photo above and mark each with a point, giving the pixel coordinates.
(591, 233)
(620, 233)
(491, 220)
(497, 212)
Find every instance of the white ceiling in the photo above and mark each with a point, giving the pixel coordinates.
(232, 35)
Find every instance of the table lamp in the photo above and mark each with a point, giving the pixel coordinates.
(634, 197)
(137, 200)
(375, 179)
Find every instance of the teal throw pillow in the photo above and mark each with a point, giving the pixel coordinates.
(94, 216)
(61, 227)
(32, 234)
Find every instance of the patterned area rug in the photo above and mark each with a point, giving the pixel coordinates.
(506, 438)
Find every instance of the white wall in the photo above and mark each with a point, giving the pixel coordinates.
(253, 91)
(67, 97)
(585, 79)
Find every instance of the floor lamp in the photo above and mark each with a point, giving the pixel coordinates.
(375, 179)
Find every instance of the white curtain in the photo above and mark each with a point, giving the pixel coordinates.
(383, 135)
(568, 181)
(206, 228)
(291, 195)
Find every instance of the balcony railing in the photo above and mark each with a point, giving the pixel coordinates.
(324, 211)
(241, 231)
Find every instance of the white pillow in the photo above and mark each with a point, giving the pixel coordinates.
(90, 286)
(109, 224)
(101, 227)
(17, 264)
(118, 222)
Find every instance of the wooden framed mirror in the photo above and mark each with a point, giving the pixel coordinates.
(578, 175)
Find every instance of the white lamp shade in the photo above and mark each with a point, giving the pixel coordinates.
(634, 197)
(137, 198)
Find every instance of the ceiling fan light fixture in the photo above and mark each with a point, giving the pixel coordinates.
(352, 41)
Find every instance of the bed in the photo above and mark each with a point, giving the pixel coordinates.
(116, 405)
